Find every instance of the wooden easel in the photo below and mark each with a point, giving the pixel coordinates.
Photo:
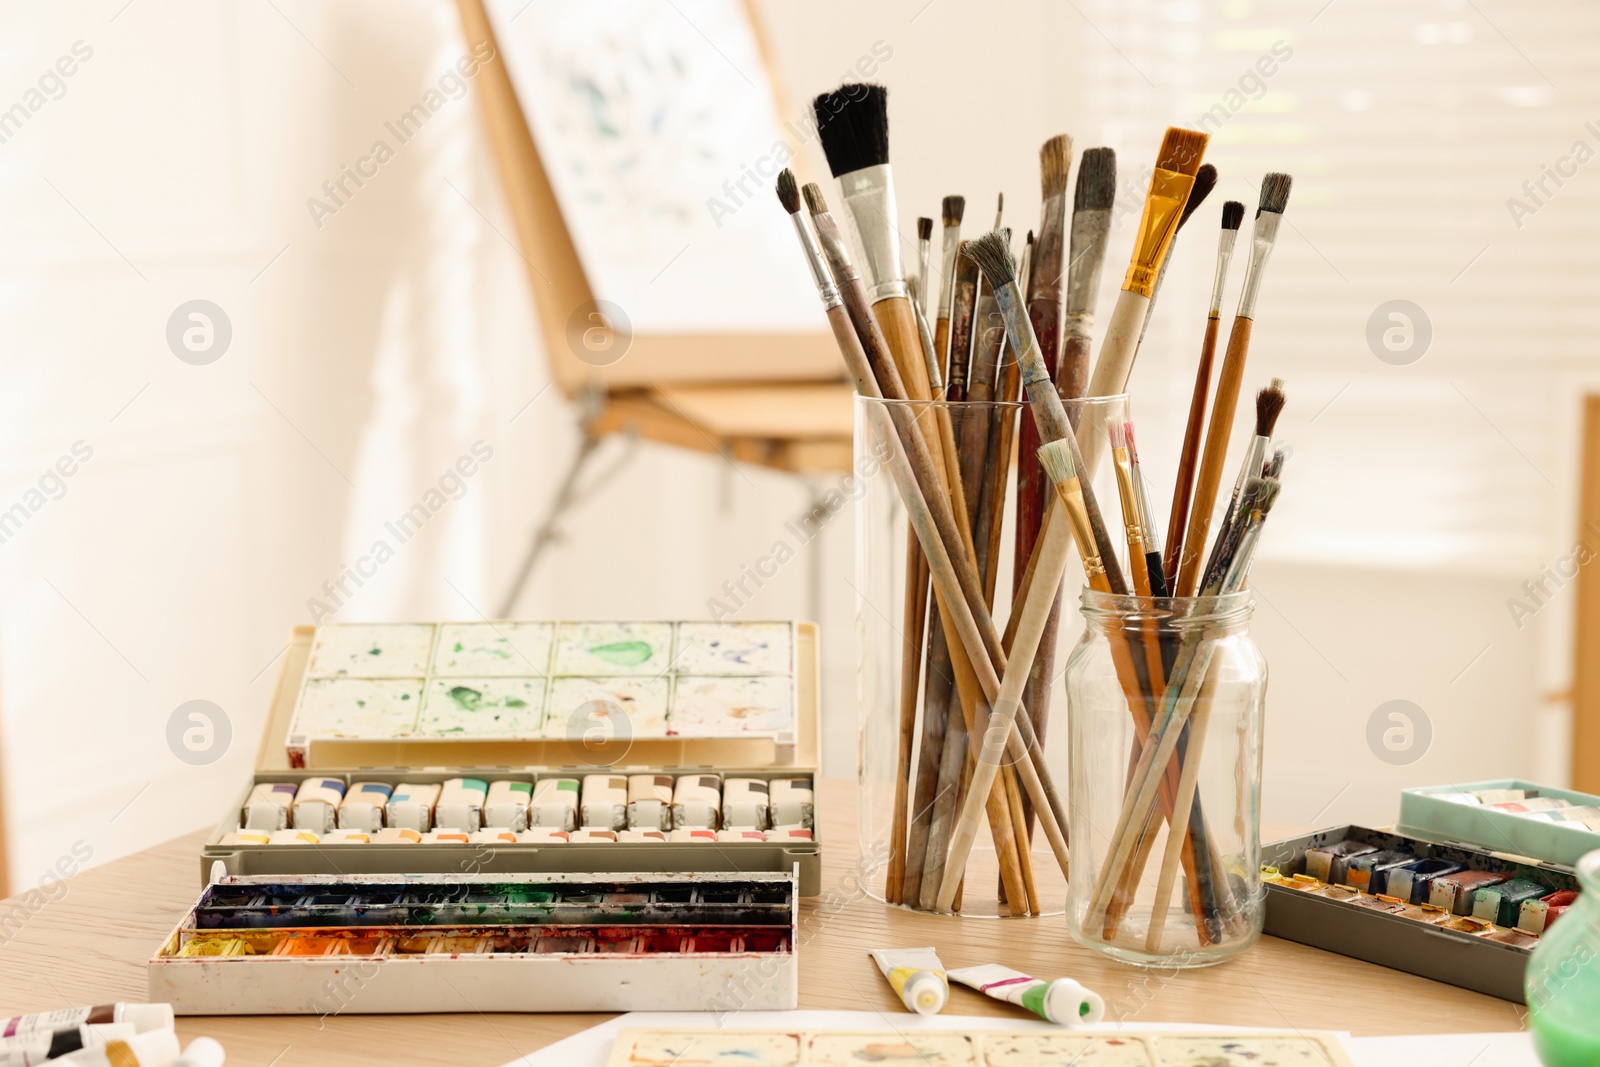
(777, 400)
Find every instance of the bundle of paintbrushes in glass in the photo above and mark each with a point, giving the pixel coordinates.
(986, 414)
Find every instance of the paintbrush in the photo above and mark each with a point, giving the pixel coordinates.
(1092, 200)
(1152, 537)
(1269, 405)
(1274, 198)
(1170, 185)
(1183, 489)
(950, 209)
(924, 250)
(963, 300)
(1205, 180)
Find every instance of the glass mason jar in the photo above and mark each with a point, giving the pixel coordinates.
(914, 739)
(1562, 986)
(1165, 699)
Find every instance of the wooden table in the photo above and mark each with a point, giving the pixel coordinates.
(90, 945)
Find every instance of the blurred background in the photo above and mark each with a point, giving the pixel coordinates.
(181, 482)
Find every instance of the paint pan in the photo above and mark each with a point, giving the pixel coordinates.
(397, 835)
(689, 835)
(445, 837)
(346, 837)
(246, 837)
(460, 804)
(492, 837)
(1453, 892)
(649, 802)
(592, 835)
(564, 945)
(605, 801)
(1369, 872)
(555, 804)
(787, 833)
(293, 837)
(697, 801)
(1502, 904)
(316, 804)
(506, 806)
(267, 806)
(1330, 862)
(745, 803)
(641, 837)
(363, 806)
(740, 835)
(1412, 882)
(793, 802)
(411, 805)
(544, 835)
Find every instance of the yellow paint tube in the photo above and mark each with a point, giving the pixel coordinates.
(917, 977)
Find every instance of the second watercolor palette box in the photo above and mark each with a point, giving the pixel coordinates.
(660, 707)
(1454, 893)
(347, 944)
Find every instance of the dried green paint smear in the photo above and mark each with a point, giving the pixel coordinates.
(466, 698)
(623, 653)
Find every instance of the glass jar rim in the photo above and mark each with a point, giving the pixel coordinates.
(1222, 607)
(1108, 400)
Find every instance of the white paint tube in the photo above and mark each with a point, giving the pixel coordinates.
(1063, 1001)
(916, 976)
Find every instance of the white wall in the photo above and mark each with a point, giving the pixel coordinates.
(369, 353)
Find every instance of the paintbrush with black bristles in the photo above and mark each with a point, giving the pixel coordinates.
(1269, 405)
(1183, 486)
(1269, 215)
(950, 210)
(1204, 182)
(853, 125)
(924, 251)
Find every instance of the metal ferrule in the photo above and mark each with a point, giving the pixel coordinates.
(1224, 255)
(819, 267)
(869, 205)
(1254, 455)
(947, 272)
(1169, 191)
(1125, 492)
(833, 242)
(924, 287)
(1261, 242)
(1052, 220)
(935, 373)
(1152, 534)
(1090, 230)
(1071, 494)
(1020, 332)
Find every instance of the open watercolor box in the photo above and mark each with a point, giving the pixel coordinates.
(736, 700)
(323, 945)
(1470, 917)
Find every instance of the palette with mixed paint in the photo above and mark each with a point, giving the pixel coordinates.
(1456, 912)
(409, 684)
(429, 943)
(978, 1048)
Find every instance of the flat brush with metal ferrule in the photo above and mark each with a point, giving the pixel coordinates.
(1269, 215)
(1170, 185)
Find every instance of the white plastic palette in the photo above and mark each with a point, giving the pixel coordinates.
(493, 681)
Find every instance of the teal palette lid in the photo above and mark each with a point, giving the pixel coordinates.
(1434, 813)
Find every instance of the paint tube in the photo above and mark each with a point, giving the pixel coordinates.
(1062, 1001)
(916, 975)
(144, 1017)
(36, 1046)
(157, 1048)
(202, 1052)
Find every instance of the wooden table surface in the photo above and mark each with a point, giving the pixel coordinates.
(90, 945)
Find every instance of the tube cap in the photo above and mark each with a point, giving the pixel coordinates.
(147, 1017)
(925, 993)
(202, 1052)
(1069, 1004)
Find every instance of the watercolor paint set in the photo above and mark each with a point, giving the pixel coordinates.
(609, 801)
(376, 944)
(1558, 825)
(433, 689)
(1419, 899)
(976, 1048)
